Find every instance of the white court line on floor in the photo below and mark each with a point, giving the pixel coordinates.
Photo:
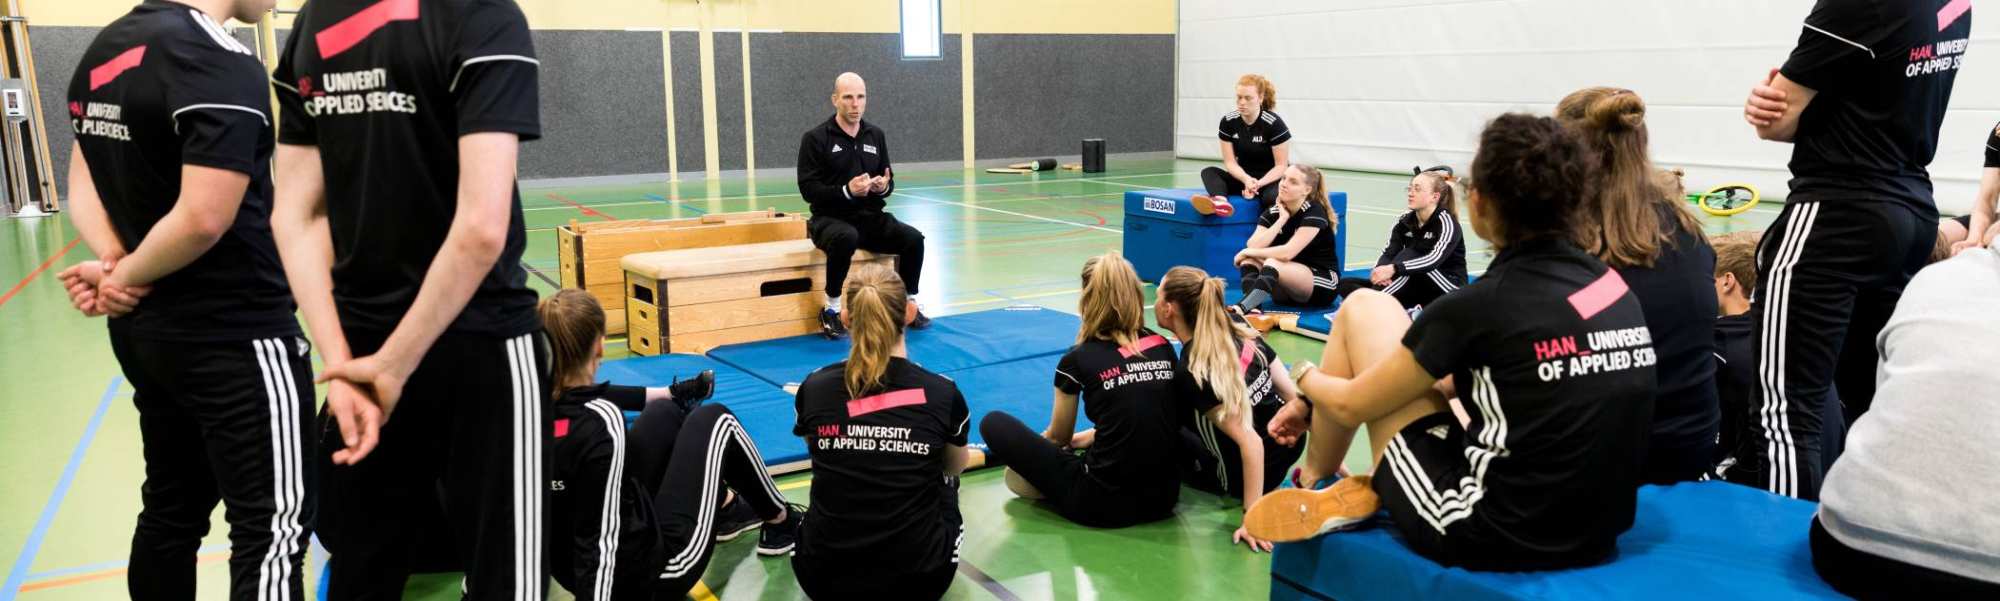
(1023, 215)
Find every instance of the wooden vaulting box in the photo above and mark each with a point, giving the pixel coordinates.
(589, 252)
(693, 300)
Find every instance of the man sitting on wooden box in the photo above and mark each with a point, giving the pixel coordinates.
(844, 174)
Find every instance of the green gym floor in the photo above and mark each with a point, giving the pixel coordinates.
(70, 434)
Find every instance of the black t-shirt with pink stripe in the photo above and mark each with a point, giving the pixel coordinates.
(385, 89)
(880, 499)
(162, 88)
(1128, 394)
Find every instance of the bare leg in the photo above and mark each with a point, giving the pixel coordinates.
(1366, 330)
(1294, 280)
(1020, 486)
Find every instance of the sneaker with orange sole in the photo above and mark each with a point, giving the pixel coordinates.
(1218, 206)
(1291, 514)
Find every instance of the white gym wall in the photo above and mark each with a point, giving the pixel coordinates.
(1382, 85)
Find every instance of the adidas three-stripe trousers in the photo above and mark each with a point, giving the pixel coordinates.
(221, 422)
(1829, 274)
(470, 430)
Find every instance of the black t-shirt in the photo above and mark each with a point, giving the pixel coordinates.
(1993, 147)
(1678, 295)
(1254, 141)
(162, 87)
(880, 497)
(1735, 380)
(1552, 358)
(1129, 397)
(828, 158)
(1884, 73)
(385, 89)
(1321, 253)
(1253, 360)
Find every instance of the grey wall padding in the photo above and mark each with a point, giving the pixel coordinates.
(57, 52)
(915, 102)
(603, 106)
(729, 146)
(1041, 95)
(687, 101)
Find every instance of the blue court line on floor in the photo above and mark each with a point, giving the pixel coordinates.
(985, 581)
(684, 205)
(112, 565)
(18, 575)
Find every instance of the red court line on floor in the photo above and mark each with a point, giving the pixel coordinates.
(106, 574)
(38, 271)
(580, 208)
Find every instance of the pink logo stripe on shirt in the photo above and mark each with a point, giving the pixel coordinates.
(1599, 295)
(887, 400)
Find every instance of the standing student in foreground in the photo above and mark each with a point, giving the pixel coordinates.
(844, 174)
(400, 225)
(887, 440)
(1861, 99)
(170, 185)
(1550, 354)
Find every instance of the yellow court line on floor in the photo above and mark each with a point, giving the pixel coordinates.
(701, 592)
(796, 485)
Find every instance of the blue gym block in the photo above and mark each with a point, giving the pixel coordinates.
(1162, 230)
(764, 409)
(953, 342)
(1705, 540)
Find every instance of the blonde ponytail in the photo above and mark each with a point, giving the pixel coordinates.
(876, 302)
(574, 323)
(1113, 308)
(1212, 355)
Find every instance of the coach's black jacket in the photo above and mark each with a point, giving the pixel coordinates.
(828, 158)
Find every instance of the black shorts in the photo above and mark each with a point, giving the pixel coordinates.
(1326, 286)
(1419, 483)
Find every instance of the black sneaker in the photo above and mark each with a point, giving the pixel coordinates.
(735, 518)
(829, 324)
(689, 393)
(778, 539)
(922, 321)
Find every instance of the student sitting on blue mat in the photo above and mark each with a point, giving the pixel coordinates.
(1551, 355)
(1657, 246)
(1123, 374)
(1735, 348)
(1425, 256)
(1909, 509)
(1292, 255)
(1232, 385)
(887, 440)
(635, 514)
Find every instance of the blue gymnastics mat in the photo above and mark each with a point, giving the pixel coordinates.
(952, 343)
(764, 409)
(1023, 388)
(1704, 540)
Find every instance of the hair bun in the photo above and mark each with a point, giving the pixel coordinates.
(1619, 110)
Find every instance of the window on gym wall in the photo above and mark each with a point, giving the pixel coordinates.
(921, 29)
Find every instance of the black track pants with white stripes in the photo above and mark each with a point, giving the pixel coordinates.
(1828, 277)
(221, 422)
(685, 461)
(471, 429)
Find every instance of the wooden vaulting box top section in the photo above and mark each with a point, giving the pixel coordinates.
(721, 260)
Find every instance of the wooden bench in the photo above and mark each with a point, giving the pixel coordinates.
(589, 252)
(693, 300)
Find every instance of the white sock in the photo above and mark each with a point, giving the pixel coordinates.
(833, 302)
